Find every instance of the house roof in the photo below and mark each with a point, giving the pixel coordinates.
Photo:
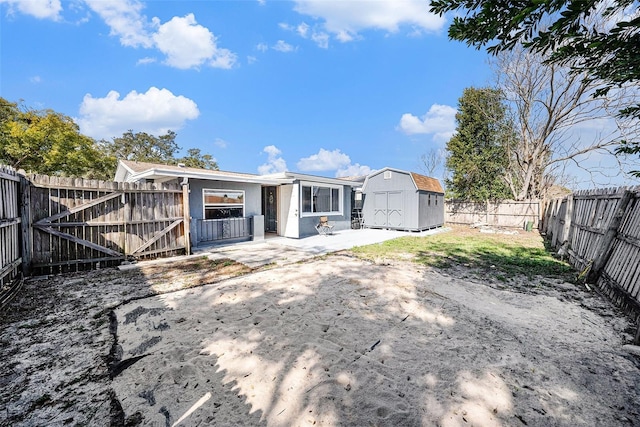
(130, 171)
(311, 178)
(421, 182)
(358, 179)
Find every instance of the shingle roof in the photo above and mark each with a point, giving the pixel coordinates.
(425, 183)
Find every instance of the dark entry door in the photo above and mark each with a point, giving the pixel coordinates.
(270, 209)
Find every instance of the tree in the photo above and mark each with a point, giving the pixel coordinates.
(432, 161)
(479, 150)
(599, 38)
(143, 147)
(194, 159)
(549, 104)
(46, 142)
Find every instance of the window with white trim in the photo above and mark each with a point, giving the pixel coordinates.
(220, 204)
(321, 200)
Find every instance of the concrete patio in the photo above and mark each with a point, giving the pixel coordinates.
(283, 250)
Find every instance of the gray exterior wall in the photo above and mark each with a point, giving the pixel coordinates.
(252, 196)
(339, 222)
(406, 203)
(407, 208)
(431, 214)
(252, 201)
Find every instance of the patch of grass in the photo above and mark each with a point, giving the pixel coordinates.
(506, 255)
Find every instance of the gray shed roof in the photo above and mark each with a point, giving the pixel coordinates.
(421, 182)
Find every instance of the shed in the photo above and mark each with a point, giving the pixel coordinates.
(402, 200)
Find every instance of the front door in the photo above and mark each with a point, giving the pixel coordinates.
(270, 209)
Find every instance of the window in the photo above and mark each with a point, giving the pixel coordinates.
(320, 199)
(220, 204)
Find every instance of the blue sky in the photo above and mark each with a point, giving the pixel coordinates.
(330, 88)
(312, 86)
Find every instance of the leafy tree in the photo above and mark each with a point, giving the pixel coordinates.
(195, 159)
(45, 142)
(143, 147)
(598, 37)
(478, 153)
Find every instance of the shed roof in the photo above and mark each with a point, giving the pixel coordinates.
(426, 183)
(421, 182)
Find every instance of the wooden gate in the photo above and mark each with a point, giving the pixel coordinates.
(10, 235)
(76, 224)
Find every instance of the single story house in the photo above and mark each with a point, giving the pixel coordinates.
(241, 206)
(401, 200)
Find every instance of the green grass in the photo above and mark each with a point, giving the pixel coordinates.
(507, 255)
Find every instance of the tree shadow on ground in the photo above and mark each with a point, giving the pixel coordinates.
(341, 342)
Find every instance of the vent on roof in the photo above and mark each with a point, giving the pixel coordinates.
(181, 165)
(387, 174)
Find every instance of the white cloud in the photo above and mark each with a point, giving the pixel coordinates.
(185, 43)
(189, 45)
(35, 79)
(353, 170)
(41, 9)
(303, 30)
(221, 143)
(251, 59)
(146, 60)
(321, 39)
(345, 19)
(282, 46)
(154, 112)
(262, 47)
(125, 20)
(324, 160)
(275, 163)
(440, 121)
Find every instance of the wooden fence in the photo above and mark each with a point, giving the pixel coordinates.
(76, 224)
(599, 231)
(508, 213)
(10, 235)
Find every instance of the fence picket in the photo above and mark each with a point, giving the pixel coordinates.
(606, 234)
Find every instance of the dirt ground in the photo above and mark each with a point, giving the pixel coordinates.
(332, 341)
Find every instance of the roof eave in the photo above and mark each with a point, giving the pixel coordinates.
(157, 173)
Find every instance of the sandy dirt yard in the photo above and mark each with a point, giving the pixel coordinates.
(332, 341)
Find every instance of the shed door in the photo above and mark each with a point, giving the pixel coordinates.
(388, 209)
(380, 209)
(395, 217)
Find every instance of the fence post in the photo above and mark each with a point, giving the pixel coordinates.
(568, 216)
(606, 248)
(25, 215)
(187, 215)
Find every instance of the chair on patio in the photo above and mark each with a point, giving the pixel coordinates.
(323, 227)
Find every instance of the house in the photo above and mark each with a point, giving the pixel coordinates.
(401, 200)
(227, 206)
